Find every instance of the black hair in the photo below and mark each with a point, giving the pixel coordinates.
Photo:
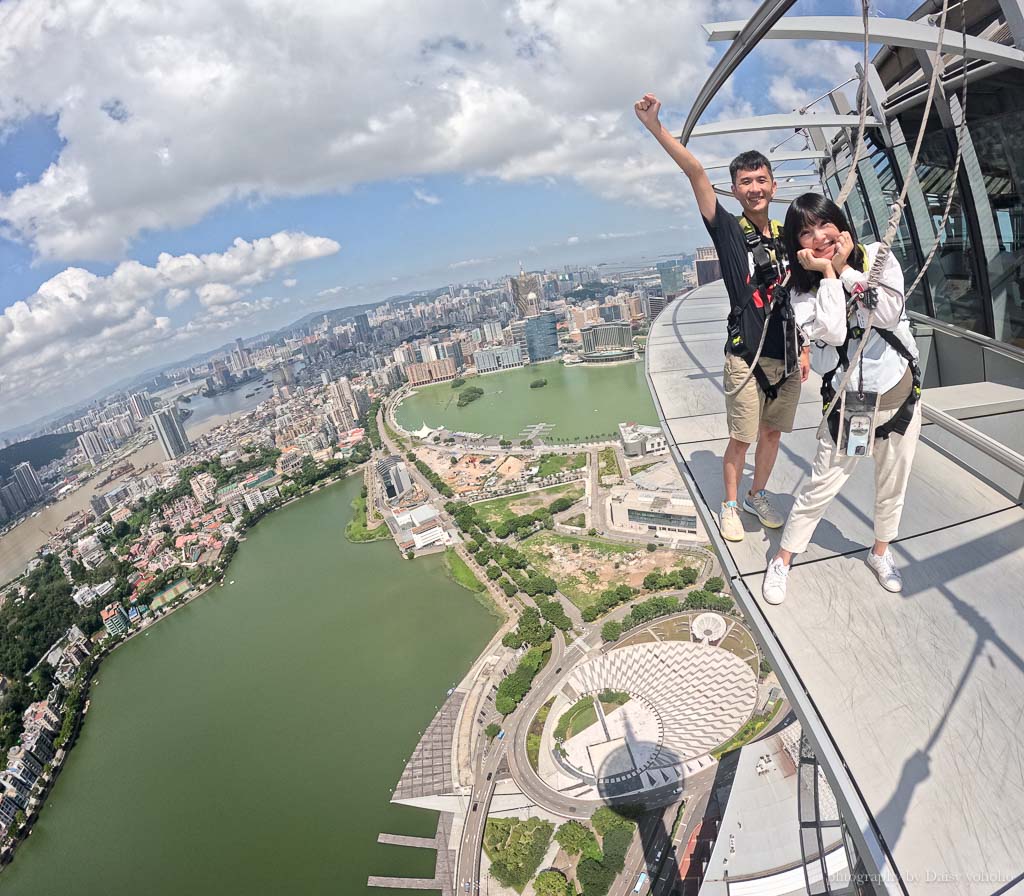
(810, 209)
(750, 160)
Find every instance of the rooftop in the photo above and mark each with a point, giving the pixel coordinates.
(911, 701)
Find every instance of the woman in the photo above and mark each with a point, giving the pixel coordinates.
(828, 276)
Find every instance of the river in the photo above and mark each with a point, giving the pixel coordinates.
(21, 544)
(581, 400)
(249, 742)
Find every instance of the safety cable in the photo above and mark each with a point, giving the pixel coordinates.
(858, 148)
(885, 249)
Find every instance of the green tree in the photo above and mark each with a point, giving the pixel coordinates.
(492, 730)
(651, 548)
(715, 583)
(611, 630)
(551, 883)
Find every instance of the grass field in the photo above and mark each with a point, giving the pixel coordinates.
(611, 700)
(501, 509)
(533, 735)
(358, 530)
(577, 522)
(394, 436)
(461, 573)
(580, 716)
(556, 463)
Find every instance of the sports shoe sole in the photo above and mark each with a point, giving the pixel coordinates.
(750, 508)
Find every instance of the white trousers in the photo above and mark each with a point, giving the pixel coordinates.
(893, 458)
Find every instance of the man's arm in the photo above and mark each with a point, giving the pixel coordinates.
(647, 111)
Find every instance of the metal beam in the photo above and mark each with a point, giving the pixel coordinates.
(747, 37)
(1013, 13)
(891, 32)
(784, 121)
(806, 155)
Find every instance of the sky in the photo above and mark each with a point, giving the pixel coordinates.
(175, 175)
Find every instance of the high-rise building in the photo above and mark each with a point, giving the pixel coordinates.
(13, 498)
(343, 404)
(364, 334)
(430, 372)
(607, 341)
(394, 475)
(655, 305)
(541, 331)
(92, 445)
(141, 405)
(673, 276)
(499, 357)
(708, 267)
(170, 432)
(28, 480)
(114, 619)
(526, 293)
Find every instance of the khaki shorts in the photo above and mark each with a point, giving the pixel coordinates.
(747, 411)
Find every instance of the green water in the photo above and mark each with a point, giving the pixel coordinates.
(249, 743)
(582, 401)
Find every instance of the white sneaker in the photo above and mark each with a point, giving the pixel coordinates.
(732, 528)
(884, 568)
(760, 505)
(773, 588)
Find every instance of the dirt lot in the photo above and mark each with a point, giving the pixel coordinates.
(515, 505)
(582, 575)
(471, 471)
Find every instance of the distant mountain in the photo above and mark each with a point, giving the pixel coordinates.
(38, 451)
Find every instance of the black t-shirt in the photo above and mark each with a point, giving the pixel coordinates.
(747, 309)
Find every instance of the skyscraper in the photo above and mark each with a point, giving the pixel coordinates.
(343, 404)
(170, 432)
(141, 405)
(526, 293)
(672, 274)
(92, 445)
(28, 480)
(363, 332)
(708, 268)
(541, 331)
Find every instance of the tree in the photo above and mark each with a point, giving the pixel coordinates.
(651, 548)
(591, 531)
(492, 730)
(493, 572)
(611, 630)
(715, 583)
(576, 838)
(551, 883)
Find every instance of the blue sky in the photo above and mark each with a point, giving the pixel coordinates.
(418, 156)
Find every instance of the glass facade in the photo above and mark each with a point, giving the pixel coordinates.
(976, 279)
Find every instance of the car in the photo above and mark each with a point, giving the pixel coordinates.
(559, 669)
(490, 775)
(474, 806)
(657, 858)
(678, 790)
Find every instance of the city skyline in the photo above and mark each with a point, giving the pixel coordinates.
(199, 239)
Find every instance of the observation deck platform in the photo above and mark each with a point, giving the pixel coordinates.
(913, 702)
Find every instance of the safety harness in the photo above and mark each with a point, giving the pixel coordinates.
(768, 255)
(899, 421)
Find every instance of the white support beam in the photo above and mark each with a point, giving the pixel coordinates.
(784, 121)
(890, 32)
(805, 155)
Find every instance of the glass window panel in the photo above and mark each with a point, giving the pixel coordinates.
(995, 117)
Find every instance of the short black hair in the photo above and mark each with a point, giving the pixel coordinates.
(810, 209)
(750, 160)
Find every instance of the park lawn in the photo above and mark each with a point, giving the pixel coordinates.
(556, 463)
(498, 510)
(460, 571)
(577, 522)
(580, 716)
(608, 465)
(358, 529)
(533, 735)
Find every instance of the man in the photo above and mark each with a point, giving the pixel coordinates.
(766, 405)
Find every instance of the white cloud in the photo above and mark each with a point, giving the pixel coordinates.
(78, 327)
(426, 198)
(470, 262)
(572, 240)
(290, 282)
(331, 291)
(165, 117)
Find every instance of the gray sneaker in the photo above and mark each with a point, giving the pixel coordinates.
(884, 567)
(760, 505)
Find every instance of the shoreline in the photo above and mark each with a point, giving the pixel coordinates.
(104, 650)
